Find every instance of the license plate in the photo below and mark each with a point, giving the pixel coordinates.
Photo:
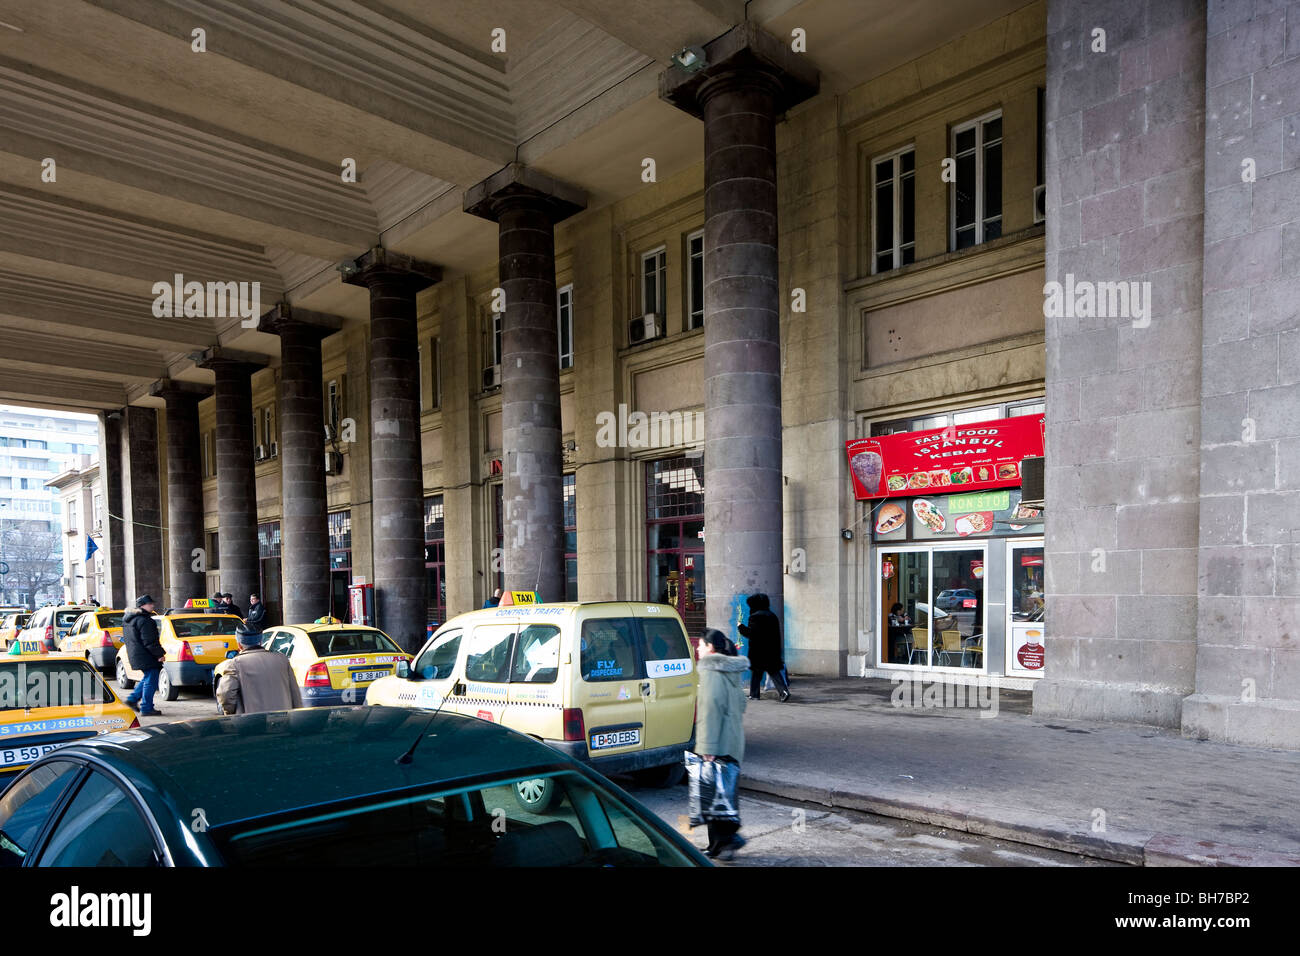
(360, 677)
(23, 755)
(616, 738)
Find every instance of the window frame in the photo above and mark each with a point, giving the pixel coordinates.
(691, 289)
(977, 124)
(659, 253)
(896, 212)
(561, 321)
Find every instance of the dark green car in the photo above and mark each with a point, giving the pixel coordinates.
(339, 786)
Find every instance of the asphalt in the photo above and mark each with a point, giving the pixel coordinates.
(1123, 792)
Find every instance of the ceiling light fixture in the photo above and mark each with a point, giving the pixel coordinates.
(691, 59)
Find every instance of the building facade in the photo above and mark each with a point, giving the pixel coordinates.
(85, 573)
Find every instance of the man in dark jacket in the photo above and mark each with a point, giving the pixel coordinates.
(228, 606)
(145, 653)
(765, 646)
(256, 612)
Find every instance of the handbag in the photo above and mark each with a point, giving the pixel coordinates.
(713, 790)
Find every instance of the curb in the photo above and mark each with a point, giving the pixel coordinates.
(1134, 848)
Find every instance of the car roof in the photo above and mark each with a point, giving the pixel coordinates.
(252, 765)
(206, 617)
(16, 658)
(316, 626)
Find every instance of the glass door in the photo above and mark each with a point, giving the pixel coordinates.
(1026, 609)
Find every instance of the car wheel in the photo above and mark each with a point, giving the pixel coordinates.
(669, 775)
(123, 681)
(540, 795)
(166, 688)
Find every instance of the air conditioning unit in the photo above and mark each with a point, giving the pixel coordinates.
(1040, 204)
(491, 377)
(1031, 481)
(275, 449)
(644, 328)
(259, 453)
(333, 463)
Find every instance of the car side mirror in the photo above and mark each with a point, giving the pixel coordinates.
(458, 688)
(403, 670)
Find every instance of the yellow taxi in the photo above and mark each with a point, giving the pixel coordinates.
(11, 624)
(194, 644)
(612, 683)
(334, 663)
(48, 700)
(97, 636)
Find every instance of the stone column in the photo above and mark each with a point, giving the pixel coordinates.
(526, 205)
(236, 481)
(748, 80)
(184, 492)
(304, 525)
(114, 534)
(141, 508)
(396, 473)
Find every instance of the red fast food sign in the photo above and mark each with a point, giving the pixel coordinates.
(945, 460)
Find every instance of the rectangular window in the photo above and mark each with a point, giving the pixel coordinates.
(564, 321)
(894, 210)
(976, 210)
(570, 537)
(435, 372)
(654, 281)
(214, 550)
(334, 403)
(71, 524)
(420, 356)
(695, 279)
(268, 426)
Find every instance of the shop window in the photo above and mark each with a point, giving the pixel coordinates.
(564, 324)
(695, 279)
(931, 606)
(976, 210)
(893, 210)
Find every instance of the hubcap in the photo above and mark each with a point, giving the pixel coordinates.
(531, 790)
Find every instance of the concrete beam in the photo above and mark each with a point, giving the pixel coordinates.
(659, 28)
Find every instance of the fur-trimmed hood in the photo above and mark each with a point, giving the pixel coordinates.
(723, 663)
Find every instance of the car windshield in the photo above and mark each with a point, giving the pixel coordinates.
(34, 684)
(484, 825)
(110, 619)
(330, 643)
(215, 625)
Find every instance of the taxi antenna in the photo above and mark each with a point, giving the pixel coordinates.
(407, 757)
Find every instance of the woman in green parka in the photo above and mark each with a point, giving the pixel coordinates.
(719, 724)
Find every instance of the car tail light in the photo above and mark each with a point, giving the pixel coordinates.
(106, 640)
(573, 728)
(134, 724)
(186, 654)
(49, 636)
(318, 675)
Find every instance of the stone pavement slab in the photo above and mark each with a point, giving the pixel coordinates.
(1123, 792)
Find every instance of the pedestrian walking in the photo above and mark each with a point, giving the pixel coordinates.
(256, 612)
(144, 652)
(765, 647)
(720, 736)
(256, 680)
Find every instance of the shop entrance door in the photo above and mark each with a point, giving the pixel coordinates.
(676, 571)
(1026, 609)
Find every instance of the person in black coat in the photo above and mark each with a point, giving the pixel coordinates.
(256, 618)
(228, 605)
(144, 652)
(765, 646)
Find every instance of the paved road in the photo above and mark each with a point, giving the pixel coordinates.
(787, 833)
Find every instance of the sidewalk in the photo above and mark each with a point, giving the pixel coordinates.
(1043, 781)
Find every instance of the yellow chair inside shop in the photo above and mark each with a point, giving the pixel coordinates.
(975, 647)
(920, 644)
(949, 643)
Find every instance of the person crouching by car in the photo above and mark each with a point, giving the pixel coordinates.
(256, 680)
(719, 724)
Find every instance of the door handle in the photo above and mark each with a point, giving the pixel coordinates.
(645, 688)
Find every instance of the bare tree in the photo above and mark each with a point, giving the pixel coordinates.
(35, 559)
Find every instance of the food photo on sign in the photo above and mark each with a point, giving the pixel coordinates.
(943, 460)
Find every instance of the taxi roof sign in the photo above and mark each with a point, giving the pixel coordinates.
(198, 602)
(511, 598)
